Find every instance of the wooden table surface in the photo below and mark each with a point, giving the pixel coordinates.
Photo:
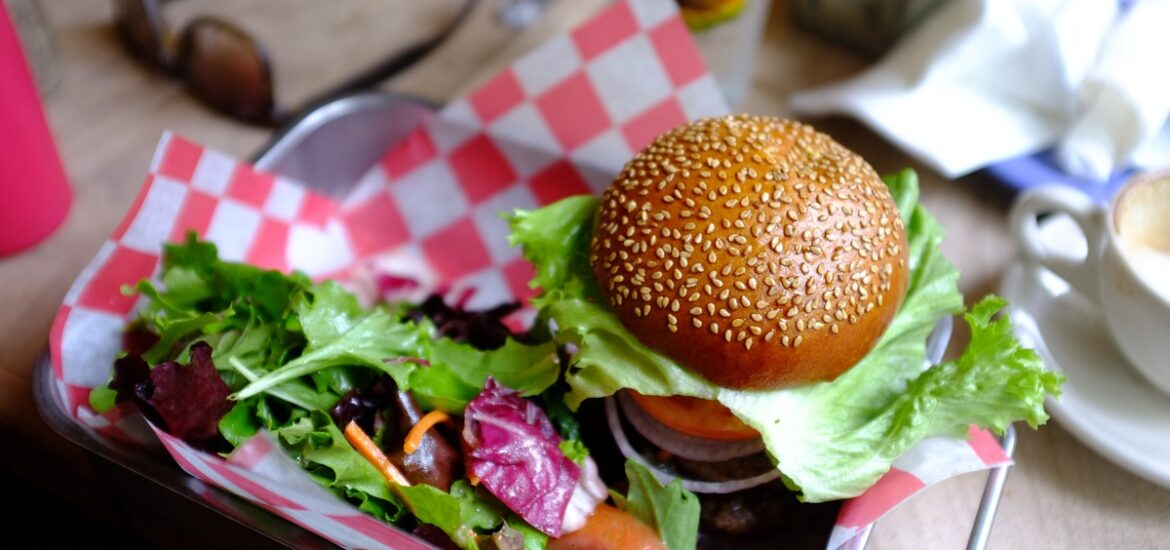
(108, 113)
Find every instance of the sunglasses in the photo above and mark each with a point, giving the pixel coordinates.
(223, 67)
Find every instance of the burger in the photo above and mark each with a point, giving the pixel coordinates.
(757, 253)
(751, 303)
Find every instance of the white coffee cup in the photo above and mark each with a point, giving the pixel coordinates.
(1127, 269)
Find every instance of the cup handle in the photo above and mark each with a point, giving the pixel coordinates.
(1090, 218)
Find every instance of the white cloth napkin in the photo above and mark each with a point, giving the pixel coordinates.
(982, 81)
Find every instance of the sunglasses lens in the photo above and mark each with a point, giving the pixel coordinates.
(227, 70)
(141, 29)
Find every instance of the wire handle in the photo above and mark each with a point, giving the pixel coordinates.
(992, 494)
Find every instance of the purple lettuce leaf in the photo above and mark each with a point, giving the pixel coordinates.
(515, 452)
(186, 401)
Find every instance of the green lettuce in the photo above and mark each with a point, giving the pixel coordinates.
(340, 333)
(460, 513)
(829, 440)
(672, 510)
(318, 445)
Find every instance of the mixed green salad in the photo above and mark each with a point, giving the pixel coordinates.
(445, 423)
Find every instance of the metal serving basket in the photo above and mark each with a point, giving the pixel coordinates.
(330, 147)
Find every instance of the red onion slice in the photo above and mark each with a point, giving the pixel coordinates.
(682, 444)
(693, 485)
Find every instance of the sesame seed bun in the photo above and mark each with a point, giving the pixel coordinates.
(757, 252)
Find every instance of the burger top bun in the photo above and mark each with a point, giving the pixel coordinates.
(757, 252)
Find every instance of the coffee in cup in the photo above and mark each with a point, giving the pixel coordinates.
(1143, 229)
(1126, 271)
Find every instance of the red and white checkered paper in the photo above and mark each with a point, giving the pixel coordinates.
(560, 121)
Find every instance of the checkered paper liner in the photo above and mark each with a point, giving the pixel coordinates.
(560, 121)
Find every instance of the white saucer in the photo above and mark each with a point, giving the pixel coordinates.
(1105, 402)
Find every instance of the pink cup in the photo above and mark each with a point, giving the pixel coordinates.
(34, 193)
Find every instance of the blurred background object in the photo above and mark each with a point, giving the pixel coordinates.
(34, 192)
(994, 83)
(728, 33)
(869, 27)
(520, 14)
(37, 42)
(225, 67)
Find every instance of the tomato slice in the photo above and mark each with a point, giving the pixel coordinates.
(694, 416)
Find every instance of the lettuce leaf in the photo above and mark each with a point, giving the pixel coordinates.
(829, 440)
(339, 333)
(201, 294)
(556, 242)
(457, 371)
(186, 400)
(460, 513)
(672, 510)
(316, 443)
(533, 539)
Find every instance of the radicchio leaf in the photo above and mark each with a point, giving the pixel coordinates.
(187, 401)
(514, 450)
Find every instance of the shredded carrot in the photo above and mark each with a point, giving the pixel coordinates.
(428, 421)
(473, 479)
(368, 449)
